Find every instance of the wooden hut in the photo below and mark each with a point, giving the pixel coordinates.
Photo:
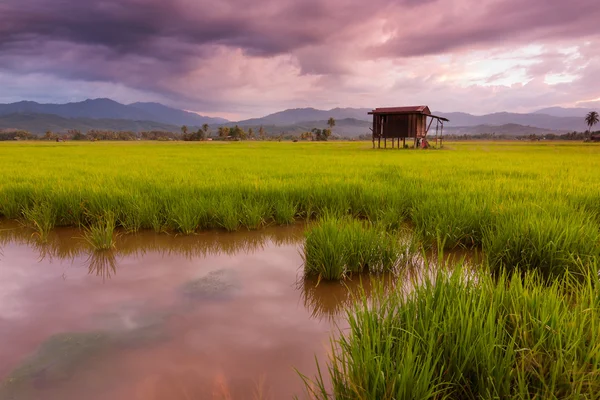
(405, 122)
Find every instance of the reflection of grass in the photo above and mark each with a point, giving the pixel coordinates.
(325, 300)
(69, 245)
(329, 299)
(102, 263)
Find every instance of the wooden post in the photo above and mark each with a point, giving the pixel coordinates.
(385, 143)
(403, 142)
(374, 129)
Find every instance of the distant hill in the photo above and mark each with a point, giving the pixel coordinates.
(300, 115)
(573, 119)
(542, 121)
(107, 108)
(40, 123)
(109, 114)
(168, 115)
(564, 112)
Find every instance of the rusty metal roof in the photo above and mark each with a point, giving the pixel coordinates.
(402, 110)
(406, 110)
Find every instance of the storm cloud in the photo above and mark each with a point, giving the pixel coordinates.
(249, 57)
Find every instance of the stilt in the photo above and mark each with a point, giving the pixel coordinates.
(403, 142)
(385, 143)
(379, 144)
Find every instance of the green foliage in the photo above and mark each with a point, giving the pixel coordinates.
(284, 211)
(321, 135)
(464, 337)
(591, 119)
(550, 244)
(101, 234)
(494, 195)
(336, 248)
(42, 217)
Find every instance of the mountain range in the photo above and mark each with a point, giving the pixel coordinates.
(108, 114)
(107, 108)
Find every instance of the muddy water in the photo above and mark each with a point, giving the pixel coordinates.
(210, 316)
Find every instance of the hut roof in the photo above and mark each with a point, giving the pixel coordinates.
(402, 110)
(424, 110)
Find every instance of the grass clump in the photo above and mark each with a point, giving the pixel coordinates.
(338, 247)
(284, 211)
(42, 218)
(463, 337)
(101, 234)
(255, 213)
(548, 244)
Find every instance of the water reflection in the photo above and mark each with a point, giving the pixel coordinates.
(328, 300)
(67, 244)
(102, 263)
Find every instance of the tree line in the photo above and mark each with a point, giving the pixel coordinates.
(203, 133)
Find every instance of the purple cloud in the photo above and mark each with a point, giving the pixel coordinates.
(261, 55)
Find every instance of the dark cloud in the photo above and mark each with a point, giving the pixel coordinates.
(222, 47)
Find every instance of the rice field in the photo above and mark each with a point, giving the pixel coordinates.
(527, 205)
(525, 326)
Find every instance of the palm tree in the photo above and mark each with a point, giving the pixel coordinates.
(205, 128)
(184, 130)
(331, 122)
(591, 119)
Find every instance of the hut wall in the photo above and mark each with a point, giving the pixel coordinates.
(396, 126)
(399, 125)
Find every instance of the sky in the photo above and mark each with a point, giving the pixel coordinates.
(247, 58)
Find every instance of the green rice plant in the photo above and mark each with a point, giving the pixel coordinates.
(542, 242)
(336, 248)
(284, 211)
(14, 199)
(454, 197)
(469, 337)
(130, 217)
(457, 220)
(324, 251)
(227, 215)
(255, 213)
(185, 215)
(69, 206)
(42, 218)
(101, 234)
